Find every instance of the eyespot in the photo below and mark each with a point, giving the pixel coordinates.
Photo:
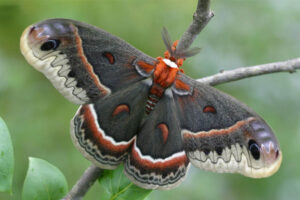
(50, 45)
(254, 149)
(219, 150)
(71, 74)
(206, 151)
(79, 84)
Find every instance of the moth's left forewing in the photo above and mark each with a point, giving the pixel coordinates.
(223, 135)
(82, 61)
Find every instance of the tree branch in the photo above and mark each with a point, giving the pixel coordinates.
(201, 17)
(84, 183)
(246, 72)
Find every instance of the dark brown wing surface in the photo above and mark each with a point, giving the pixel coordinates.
(82, 61)
(221, 134)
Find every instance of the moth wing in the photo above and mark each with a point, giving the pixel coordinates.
(221, 134)
(105, 130)
(157, 159)
(82, 61)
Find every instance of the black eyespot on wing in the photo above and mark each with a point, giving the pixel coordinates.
(206, 151)
(50, 45)
(219, 150)
(79, 84)
(254, 149)
(71, 74)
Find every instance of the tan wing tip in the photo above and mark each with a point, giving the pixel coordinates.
(267, 171)
(24, 41)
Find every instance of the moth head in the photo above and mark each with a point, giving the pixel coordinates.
(43, 41)
(263, 149)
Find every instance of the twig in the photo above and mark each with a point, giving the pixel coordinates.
(201, 17)
(246, 72)
(88, 178)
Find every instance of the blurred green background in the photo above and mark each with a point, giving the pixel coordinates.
(242, 33)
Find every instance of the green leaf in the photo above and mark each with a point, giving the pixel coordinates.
(43, 181)
(6, 159)
(118, 187)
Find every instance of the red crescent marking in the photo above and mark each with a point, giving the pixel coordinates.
(120, 108)
(109, 57)
(164, 131)
(188, 135)
(86, 63)
(99, 135)
(145, 66)
(209, 109)
(179, 84)
(159, 165)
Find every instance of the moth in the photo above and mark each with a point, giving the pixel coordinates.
(145, 112)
